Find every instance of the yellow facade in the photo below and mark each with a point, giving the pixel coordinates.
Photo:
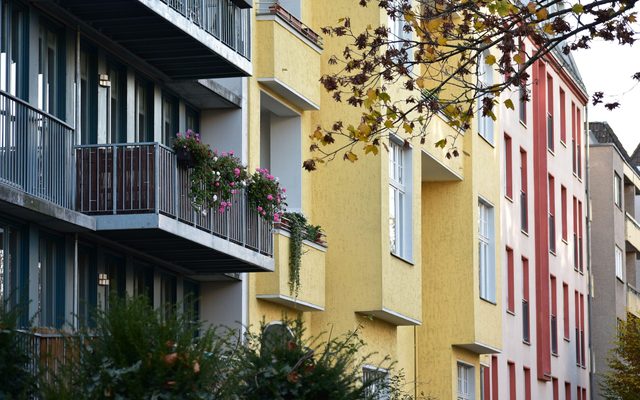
(422, 310)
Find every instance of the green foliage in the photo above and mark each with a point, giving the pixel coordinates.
(16, 381)
(266, 195)
(138, 353)
(622, 382)
(284, 365)
(297, 225)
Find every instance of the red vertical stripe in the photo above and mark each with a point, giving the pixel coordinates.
(554, 300)
(580, 246)
(578, 393)
(512, 380)
(579, 141)
(563, 117)
(527, 383)
(508, 160)
(494, 378)
(543, 339)
(582, 333)
(510, 282)
(577, 322)
(486, 382)
(567, 391)
(556, 390)
(584, 393)
(565, 299)
(563, 200)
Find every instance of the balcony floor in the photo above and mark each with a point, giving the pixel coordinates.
(201, 253)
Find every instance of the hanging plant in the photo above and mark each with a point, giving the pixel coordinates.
(298, 231)
(265, 195)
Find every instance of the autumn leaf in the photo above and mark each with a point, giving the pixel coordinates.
(351, 156)
(577, 8)
(542, 14)
(490, 59)
(509, 104)
(370, 148)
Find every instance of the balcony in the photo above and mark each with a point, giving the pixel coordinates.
(295, 76)
(275, 287)
(633, 301)
(632, 232)
(139, 197)
(36, 164)
(183, 39)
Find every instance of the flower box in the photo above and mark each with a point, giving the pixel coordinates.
(185, 158)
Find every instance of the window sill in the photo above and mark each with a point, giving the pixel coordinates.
(554, 354)
(566, 339)
(565, 241)
(526, 342)
(487, 140)
(523, 123)
(506, 196)
(513, 313)
(563, 143)
(551, 151)
(403, 259)
(619, 279)
(524, 232)
(553, 252)
(488, 301)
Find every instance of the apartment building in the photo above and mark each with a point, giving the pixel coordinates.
(92, 199)
(615, 238)
(544, 247)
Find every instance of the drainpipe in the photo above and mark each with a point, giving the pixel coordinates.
(76, 308)
(589, 280)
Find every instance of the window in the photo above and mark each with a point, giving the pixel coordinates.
(169, 119)
(576, 298)
(554, 315)
(512, 380)
(563, 199)
(508, 167)
(51, 282)
(617, 190)
(618, 252)
(466, 389)
(87, 285)
(14, 47)
(565, 304)
(550, 133)
(400, 235)
(555, 388)
(580, 337)
(88, 96)
(584, 393)
(192, 117)
(552, 212)
(10, 261)
(583, 343)
(50, 83)
(143, 281)
(575, 234)
(144, 111)
(579, 142)
(524, 206)
(510, 282)
(567, 391)
(526, 329)
(117, 104)
(377, 381)
(579, 393)
(527, 383)
(580, 241)
(563, 117)
(168, 294)
(485, 79)
(573, 136)
(494, 377)
(191, 303)
(486, 246)
(522, 88)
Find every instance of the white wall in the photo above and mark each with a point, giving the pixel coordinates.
(222, 130)
(286, 157)
(221, 303)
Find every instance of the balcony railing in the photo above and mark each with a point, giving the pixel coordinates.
(35, 152)
(273, 7)
(220, 18)
(144, 178)
(47, 352)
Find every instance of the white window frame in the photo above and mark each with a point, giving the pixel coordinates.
(374, 392)
(485, 79)
(397, 32)
(486, 251)
(466, 381)
(619, 261)
(400, 201)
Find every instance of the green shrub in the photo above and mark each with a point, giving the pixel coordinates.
(16, 382)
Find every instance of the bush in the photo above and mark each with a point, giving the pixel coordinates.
(16, 381)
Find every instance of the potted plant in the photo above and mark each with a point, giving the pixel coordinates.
(190, 152)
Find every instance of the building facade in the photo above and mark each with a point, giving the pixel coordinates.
(615, 240)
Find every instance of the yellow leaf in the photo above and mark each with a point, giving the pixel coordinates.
(531, 7)
(351, 156)
(519, 58)
(548, 29)
(577, 8)
(509, 104)
(388, 124)
(371, 148)
(490, 60)
(407, 127)
(543, 13)
(371, 94)
(420, 82)
(364, 130)
(317, 134)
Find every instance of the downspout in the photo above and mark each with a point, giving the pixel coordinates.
(589, 277)
(76, 308)
(415, 361)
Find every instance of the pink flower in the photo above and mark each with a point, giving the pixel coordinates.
(258, 170)
(232, 184)
(259, 209)
(269, 197)
(221, 209)
(264, 213)
(270, 177)
(179, 135)
(230, 152)
(234, 191)
(276, 217)
(217, 184)
(224, 154)
(223, 204)
(236, 171)
(284, 190)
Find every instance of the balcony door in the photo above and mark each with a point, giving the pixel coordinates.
(51, 70)
(116, 103)
(14, 48)
(143, 111)
(88, 96)
(51, 281)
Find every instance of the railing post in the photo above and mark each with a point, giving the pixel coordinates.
(114, 181)
(176, 191)
(156, 177)
(243, 216)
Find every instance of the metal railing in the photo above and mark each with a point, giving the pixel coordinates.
(47, 352)
(273, 7)
(35, 151)
(135, 178)
(220, 18)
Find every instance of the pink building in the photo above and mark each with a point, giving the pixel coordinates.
(544, 224)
